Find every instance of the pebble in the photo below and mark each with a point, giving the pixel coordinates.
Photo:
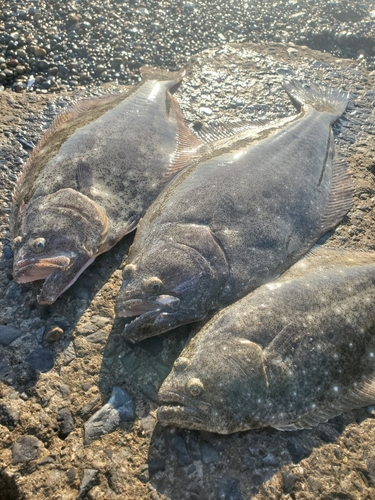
(209, 454)
(66, 422)
(8, 416)
(229, 489)
(118, 409)
(89, 480)
(25, 449)
(54, 334)
(41, 359)
(8, 334)
(14, 290)
(130, 362)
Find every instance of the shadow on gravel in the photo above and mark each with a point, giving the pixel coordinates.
(8, 487)
(33, 336)
(234, 467)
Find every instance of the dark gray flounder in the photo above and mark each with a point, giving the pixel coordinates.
(293, 353)
(92, 177)
(233, 222)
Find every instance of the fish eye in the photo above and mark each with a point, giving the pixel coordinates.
(152, 285)
(39, 244)
(194, 386)
(129, 271)
(181, 364)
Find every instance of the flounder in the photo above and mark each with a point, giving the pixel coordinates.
(295, 352)
(229, 224)
(92, 177)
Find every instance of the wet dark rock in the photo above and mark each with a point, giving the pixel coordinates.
(130, 362)
(209, 454)
(179, 446)
(8, 334)
(229, 489)
(289, 480)
(118, 409)
(296, 450)
(7, 250)
(25, 449)
(66, 422)
(8, 416)
(269, 460)
(41, 359)
(14, 290)
(89, 480)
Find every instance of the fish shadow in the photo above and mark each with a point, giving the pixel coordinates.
(33, 338)
(206, 466)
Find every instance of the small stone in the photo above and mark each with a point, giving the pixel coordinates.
(98, 337)
(65, 418)
(289, 480)
(230, 489)
(209, 454)
(130, 362)
(54, 334)
(40, 52)
(89, 480)
(25, 449)
(21, 54)
(269, 460)
(148, 424)
(71, 475)
(41, 359)
(206, 111)
(39, 334)
(86, 386)
(8, 416)
(8, 334)
(118, 409)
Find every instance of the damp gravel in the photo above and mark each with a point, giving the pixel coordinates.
(56, 46)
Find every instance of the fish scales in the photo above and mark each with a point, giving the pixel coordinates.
(291, 354)
(92, 178)
(237, 220)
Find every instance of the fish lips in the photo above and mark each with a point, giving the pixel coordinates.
(33, 269)
(151, 315)
(176, 411)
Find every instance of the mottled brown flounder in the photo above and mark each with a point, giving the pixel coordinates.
(293, 353)
(233, 222)
(92, 177)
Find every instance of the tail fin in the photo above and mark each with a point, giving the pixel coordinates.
(325, 100)
(150, 73)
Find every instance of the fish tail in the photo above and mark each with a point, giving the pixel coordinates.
(325, 100)
(150, 73)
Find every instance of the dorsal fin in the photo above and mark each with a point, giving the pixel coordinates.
(341, 195)
(189, 149)
(361, 395)
(218, 130)
(151, 73)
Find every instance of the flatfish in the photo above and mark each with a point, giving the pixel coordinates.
(295, 352)
(92, 176)
(238, 219)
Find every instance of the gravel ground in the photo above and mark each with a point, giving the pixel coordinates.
(66, 376)
(57, 46)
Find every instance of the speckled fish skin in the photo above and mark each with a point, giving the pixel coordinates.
(92, 177)
(237, 220)
(293, 353)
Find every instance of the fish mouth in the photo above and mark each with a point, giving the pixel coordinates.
(139, 307)
(29, 270)
(174, 411)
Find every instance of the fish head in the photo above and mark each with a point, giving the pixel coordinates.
(168, 285)
(215, 386)
(55, 243)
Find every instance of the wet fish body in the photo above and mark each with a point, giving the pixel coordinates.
(238, 219)
(92, 177)
(293, 353)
